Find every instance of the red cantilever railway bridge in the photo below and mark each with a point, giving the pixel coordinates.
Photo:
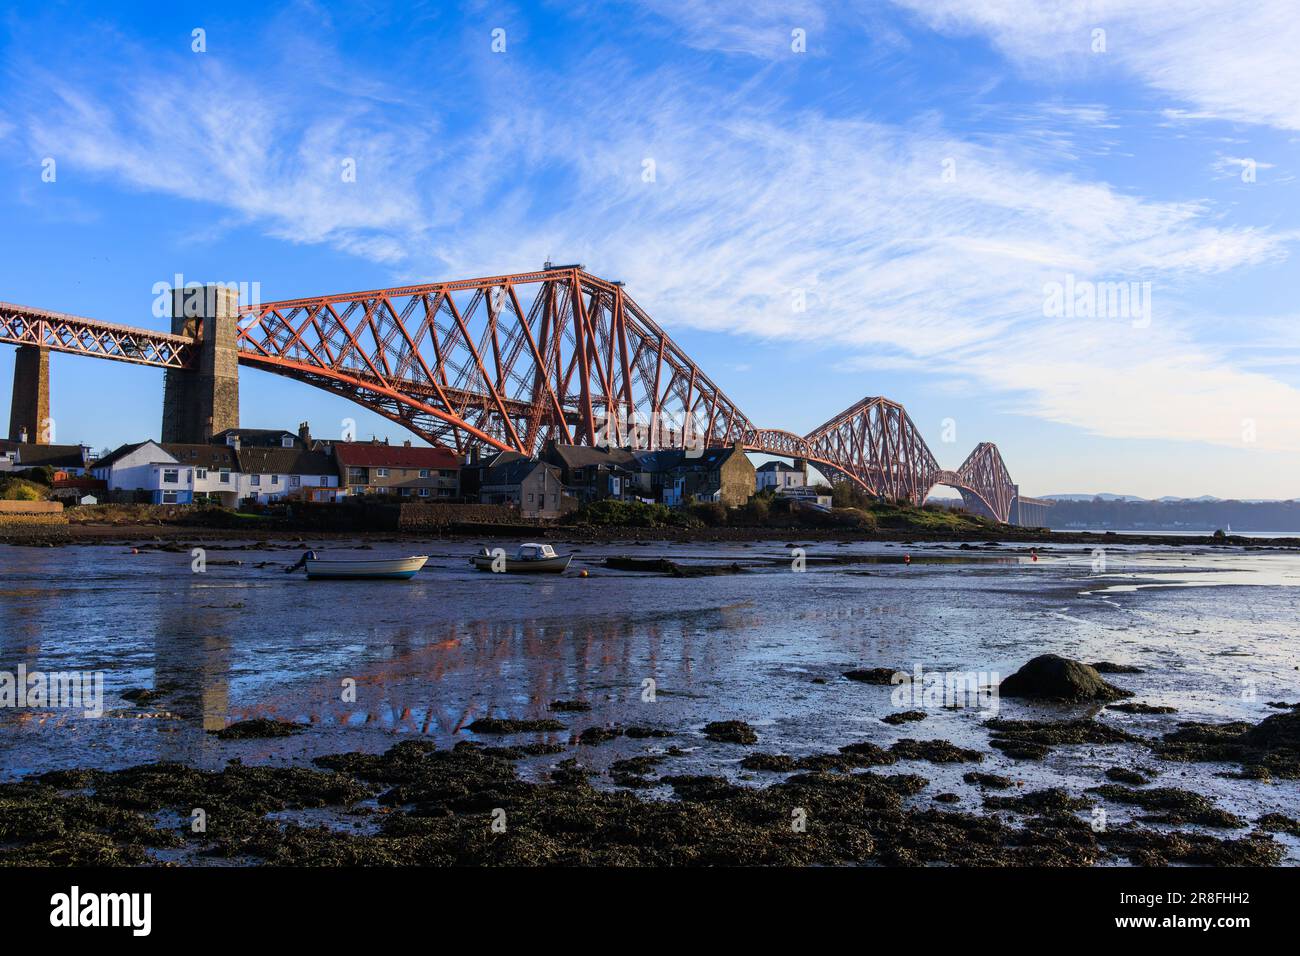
(513, 361)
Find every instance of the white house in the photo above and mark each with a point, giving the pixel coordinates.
(780, 476)
(274, 474)
(176, 474)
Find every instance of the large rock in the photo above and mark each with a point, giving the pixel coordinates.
(1052, 677)
(1278, 732)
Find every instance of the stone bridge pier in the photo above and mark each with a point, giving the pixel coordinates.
(29, 412)
(201, 401)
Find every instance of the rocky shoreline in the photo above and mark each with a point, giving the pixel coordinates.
(418, 804)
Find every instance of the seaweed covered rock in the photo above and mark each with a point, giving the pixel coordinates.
(509, 725)
(1052, 677)
(1276, 732)
(1265, 750)
(256, 729)
(731, 732)
(872, 675)
(1034, 739)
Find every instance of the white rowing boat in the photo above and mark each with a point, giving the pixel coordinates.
(373, 569)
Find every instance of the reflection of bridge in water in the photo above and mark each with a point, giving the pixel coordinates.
(508, 362)
(419, 687)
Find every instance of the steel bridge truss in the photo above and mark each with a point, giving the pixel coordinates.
(23, 325)
(514, 361)
(510, 361)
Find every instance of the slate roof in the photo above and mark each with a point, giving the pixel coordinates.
(259, 437)
(284, 461)
(584, 456)
(668, 459)
(514, 472)
(31, 455)
(213, 457)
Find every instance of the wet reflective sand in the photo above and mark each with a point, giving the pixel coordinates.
(1214, 633)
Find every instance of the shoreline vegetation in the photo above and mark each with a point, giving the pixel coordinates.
(760, 520)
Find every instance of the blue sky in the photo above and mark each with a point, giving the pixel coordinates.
(923, 171)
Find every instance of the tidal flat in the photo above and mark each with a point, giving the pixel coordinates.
(652, 717)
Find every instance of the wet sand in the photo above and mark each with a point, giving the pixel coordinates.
(617, 775)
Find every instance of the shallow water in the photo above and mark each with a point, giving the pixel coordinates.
(1214, 631)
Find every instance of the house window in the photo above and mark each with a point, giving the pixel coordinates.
(286, 442)
(424, 472)
(530, 497)
(171, 476)
(381, 491)
(225, 476)
(295, 481)
(275, 479)
(200, 474)
(255, 480)
(424, 492)
(406, 492)
(169, 497)
(358, 490)
(381, 472)
(356, 474)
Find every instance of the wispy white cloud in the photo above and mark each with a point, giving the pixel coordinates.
(1227, 60)
(1239, 167)
(761, 28)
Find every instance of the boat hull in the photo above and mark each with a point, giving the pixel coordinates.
(555, 565)
(378, 569)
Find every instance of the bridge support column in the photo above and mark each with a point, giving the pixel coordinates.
(29, 414)
(202, 401)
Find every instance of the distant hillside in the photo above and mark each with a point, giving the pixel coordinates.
(1201, 515)
(1104, 496)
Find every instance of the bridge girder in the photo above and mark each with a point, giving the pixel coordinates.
(513, 361)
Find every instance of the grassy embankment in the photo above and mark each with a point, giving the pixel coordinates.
(31, 484)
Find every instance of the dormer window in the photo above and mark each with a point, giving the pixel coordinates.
(286, 442)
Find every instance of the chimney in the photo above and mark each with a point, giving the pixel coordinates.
(304, 432)
(407, 443)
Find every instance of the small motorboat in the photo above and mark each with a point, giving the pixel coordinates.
(365, 569)
(531, 558)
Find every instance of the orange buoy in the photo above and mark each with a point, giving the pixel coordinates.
(907, 559)
(582, 573)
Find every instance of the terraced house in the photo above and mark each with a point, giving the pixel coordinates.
(270, 474)
(405, 471)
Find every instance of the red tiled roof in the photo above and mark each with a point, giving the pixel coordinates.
(366, 455)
